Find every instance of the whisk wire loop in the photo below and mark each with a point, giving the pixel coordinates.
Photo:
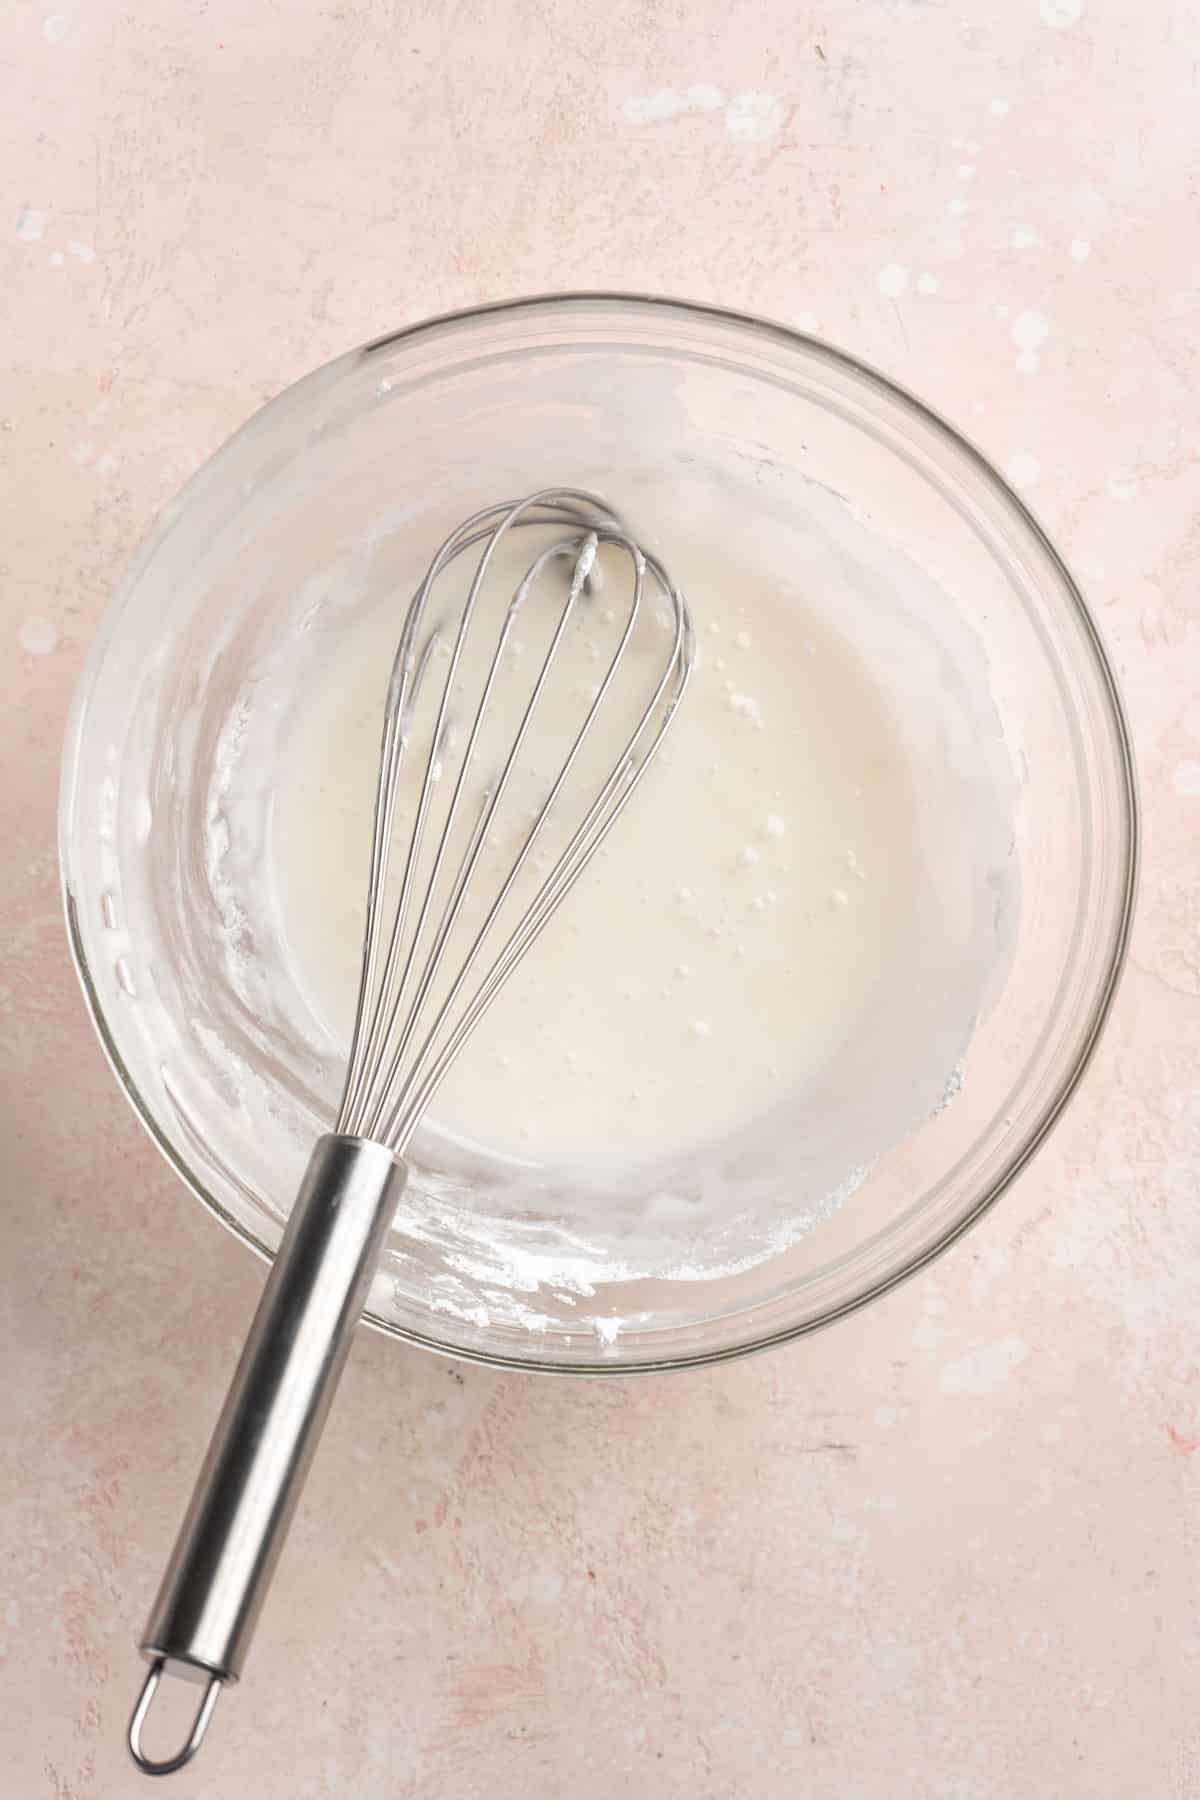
(407, 1030)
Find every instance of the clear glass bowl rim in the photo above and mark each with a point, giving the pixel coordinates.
(1116, 949)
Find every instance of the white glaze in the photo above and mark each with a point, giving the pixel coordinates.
(750, 920)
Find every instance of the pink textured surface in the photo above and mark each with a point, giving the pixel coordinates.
(950, 1549)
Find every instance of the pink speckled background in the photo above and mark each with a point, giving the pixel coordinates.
(948, 1551)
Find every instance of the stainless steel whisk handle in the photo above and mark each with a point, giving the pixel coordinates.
(225, 1554)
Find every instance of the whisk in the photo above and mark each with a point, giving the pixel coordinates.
(447, 922)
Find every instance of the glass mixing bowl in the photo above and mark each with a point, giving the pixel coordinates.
(258, 566)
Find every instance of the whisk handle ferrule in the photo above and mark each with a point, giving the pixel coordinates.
(248, 1486)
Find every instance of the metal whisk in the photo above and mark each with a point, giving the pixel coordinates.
(444, 931)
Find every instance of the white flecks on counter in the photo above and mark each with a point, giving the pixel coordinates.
(669, 103)
(31, 224)
(892, 280)
(751, 116)
(1061, 14)
(754, 116)
(1029, 331)
(37, 636)
(984, 1370)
